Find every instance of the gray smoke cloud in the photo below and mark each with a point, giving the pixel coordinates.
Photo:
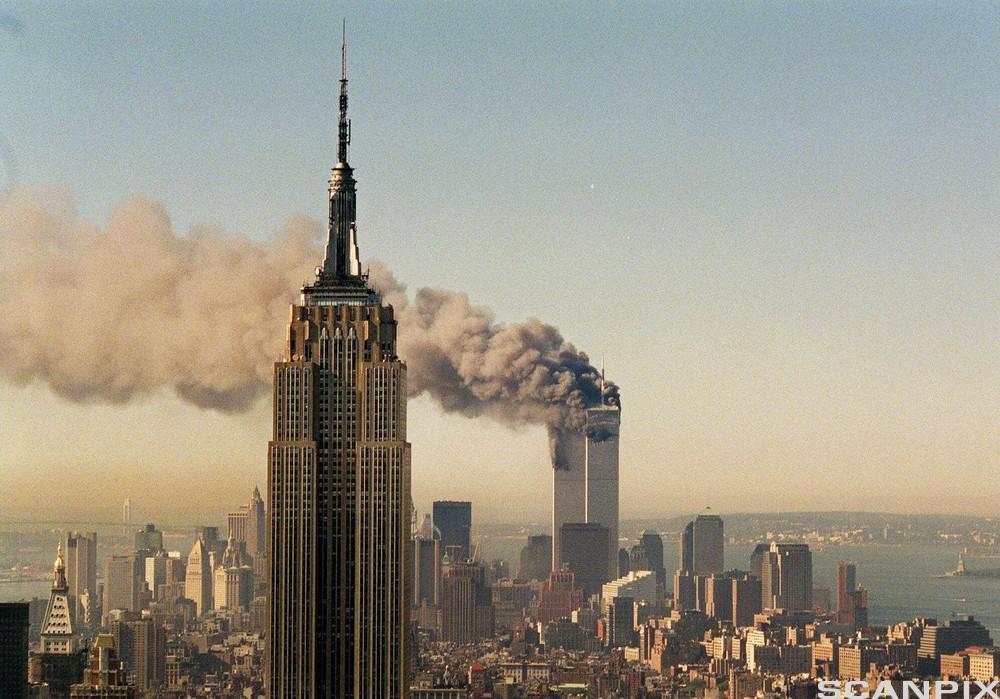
(111, 314)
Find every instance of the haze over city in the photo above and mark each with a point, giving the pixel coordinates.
(779, 227)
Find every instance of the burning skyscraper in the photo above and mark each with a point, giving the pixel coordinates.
(585, 479)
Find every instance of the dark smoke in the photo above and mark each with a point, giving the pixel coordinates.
(110, 315)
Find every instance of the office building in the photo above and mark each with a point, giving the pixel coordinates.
(426, 568)
(786, 578)
(466, 605)
(339, 480)
(638, 585)
(685, 590)
(560, 597)
(719, 597)
(624, 562)
(536, 558)
(233, 578)
(149, 539)
(81, 574)
(124, 580)
(984, 665)
(852, 600)
(155, 573)
(585, 480)
(511, 601)
(198, 576)
(57, 635)
(621, 625)
(707, 545)
(583, 549)
(248, 525)
(638, 559)
(653, 545)
(746, 599)
(685, 555)
(954, 635)
(453, 520)
(104, 676)
(58, 662)
(757, 556)
(214, 546)
(14, 628)
(855, 661)
(142, 648)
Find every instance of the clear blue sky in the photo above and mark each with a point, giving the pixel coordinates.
(778, 220)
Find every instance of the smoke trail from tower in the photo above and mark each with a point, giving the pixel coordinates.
(113, 314)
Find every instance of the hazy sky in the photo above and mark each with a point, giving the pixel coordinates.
(778, 221)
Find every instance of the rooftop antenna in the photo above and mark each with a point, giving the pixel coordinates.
(344, 126)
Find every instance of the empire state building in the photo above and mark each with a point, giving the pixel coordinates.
(338, 479)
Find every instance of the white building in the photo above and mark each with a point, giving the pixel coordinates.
(639, 585)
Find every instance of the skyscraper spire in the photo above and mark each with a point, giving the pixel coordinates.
(342, 265)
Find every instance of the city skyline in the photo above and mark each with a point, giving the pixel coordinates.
(839, 332)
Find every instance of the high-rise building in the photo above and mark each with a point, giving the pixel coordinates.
(466, 604)
(339, 480)
(149, 539)
(156, 571)
(142, 647)
(14, 629)
(638, 558)
(746, 599)
(685, 590)
(757, 557)
(248, 525)
(786, 578)
(583, 549)
(686, 554)
(653, 544)
(559, 597)
(57, 635)
(846, 585)
(124, 578)
(639, 585)
(624, 562)
(214, 546)
(104, 676)
(233, 578)
(58, 662)
(453, 520)
(198, 577)
(719, 596)
(708, 545)
(852, 600)
(426, 567)
(511, 601)
(603, 425)
(585, 480)
(621, 624)
(954, 635)
(81, 574)
(536, 558)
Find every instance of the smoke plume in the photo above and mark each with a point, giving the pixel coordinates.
(113, 314)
